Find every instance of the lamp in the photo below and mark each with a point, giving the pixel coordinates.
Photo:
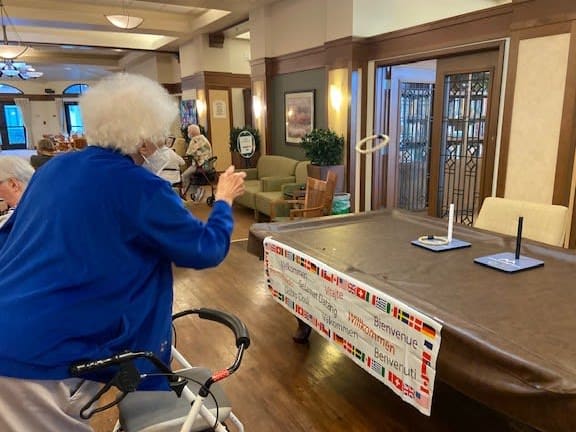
(12, 69)
(124, 20)
(7, 50)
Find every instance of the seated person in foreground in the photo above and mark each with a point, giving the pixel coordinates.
(45, 149)
(162, 161)
(199, 151)
(15, 173)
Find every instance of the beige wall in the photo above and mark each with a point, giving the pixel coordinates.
(536, 118)
(289, 26)
(197, 56)
(220, 126)
(373, 17)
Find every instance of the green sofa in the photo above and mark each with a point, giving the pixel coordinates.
(266, 200)
(270, 174)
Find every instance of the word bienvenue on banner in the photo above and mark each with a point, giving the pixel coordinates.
(392, 341)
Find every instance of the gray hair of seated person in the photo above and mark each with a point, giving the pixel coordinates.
(193, 130)
(123, 110)
(16, 168)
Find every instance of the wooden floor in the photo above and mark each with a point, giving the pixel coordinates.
(285, 387)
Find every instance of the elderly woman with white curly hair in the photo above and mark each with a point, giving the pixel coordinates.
(86, 259)
(15, 174)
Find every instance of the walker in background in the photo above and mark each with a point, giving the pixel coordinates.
(196, 402)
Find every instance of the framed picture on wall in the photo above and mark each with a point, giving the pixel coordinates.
(188, 112)
(298, 115)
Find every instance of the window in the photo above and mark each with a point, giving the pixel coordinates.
(8, 89)
(75, 89)
(12, 130)
(74, 123)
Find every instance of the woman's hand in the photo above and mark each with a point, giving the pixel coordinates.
(230, 185)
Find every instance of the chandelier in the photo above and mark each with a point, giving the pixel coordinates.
(125, 20)
(9, 50)
(17, 69)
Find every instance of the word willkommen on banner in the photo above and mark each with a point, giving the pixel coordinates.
(392, 341)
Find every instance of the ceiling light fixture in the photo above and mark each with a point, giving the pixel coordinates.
(9, 50)
(18, 69)
(125, 20)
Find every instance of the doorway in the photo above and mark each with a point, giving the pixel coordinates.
(441, 118)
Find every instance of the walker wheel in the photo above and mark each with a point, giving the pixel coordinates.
(210, 200)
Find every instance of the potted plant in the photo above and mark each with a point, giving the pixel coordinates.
(237, 159)
(325, 150)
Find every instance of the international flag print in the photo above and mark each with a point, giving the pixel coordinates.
(381, 304)
(289, 302)
(422, 399)
(415, 323)
(362, 293)
(376, 367)
(409, 391)
(396, 381)
(349, 287)
(280, 296)
(289, 255)
(348, 346)
(426, 358)
(358, 354)
(303, 312)
(322, 327)
(428, 345)
(428, 331)
(401, 315)
(338, 339)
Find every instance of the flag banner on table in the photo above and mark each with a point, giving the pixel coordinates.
(391, 340)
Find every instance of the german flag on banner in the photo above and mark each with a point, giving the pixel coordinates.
(338, 339)
(428, 331)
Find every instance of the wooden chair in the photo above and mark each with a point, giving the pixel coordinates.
(545, 223)
(317, 199)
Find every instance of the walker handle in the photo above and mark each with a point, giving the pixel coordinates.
(229, 320)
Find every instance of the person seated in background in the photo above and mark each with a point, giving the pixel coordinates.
(15, 173)
(162, 161)
(199, 151)
(45, 150)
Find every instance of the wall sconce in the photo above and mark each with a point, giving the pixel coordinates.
(335, 97)
(200, 107)
(256, 106)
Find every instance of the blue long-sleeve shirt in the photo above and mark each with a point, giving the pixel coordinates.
(85, 263)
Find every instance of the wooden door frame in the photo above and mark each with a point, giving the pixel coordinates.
(448, 52)
(474, 62)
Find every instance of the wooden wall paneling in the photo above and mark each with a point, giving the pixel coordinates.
(565, 158)
(476, 27)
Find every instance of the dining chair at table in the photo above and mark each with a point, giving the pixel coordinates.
(546, 223)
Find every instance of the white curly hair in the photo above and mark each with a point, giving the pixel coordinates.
(123, 110)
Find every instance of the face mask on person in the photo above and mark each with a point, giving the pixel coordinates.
(154, 159)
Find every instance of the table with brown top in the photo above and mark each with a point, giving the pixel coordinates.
(507, 339)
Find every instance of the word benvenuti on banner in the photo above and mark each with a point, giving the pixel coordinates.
(390, 340)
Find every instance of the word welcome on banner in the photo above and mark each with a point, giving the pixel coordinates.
(392, 341)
